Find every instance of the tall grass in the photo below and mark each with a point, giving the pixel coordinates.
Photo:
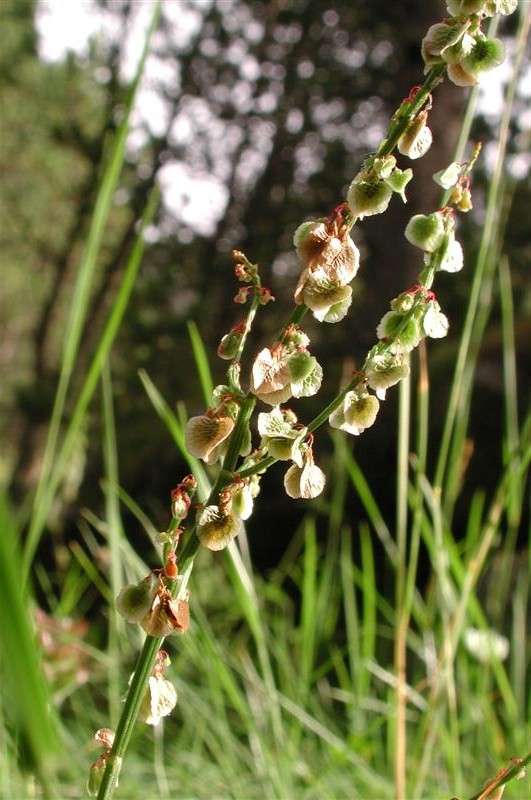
(316, 680)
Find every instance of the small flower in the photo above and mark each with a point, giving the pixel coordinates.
(385, 370)
(205, 433)
(307, 481)
(417, 137)
(159, 701)
(368, 195)
(217, 527)
(135, 600)
(356, 413)
(425, 231)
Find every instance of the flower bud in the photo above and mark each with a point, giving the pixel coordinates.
(403, 303)
(217, 528)
(95, 777)
(367, 196)
(356, 413)
(464, 203)
(425, 231)
(136, 599)
(229, 344)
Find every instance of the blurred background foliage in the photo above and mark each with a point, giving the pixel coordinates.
(253, 116)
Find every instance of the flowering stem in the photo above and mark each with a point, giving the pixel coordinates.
(135, 694)
(409, 109)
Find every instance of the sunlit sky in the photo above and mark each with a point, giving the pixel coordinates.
(67, 25)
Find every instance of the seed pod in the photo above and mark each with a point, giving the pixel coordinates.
(356, 413)
(368, 196)
(425, 231)
(136, 599)
(216, 529)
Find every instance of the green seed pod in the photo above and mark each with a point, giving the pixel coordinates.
(440, 36)
(368, 196)
(229, 344)
(384, 371)
(300, 365)
(425, 231)
(484, 55)
(95, 777)
(405, 332)
(136, 599)
(357, 412)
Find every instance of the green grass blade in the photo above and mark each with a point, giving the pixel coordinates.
(201, 361)
(25, 696)
(176, 430)
(54, 474)
(80, 301)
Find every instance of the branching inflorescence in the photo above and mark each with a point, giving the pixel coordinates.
(286, 369)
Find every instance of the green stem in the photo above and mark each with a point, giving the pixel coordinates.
(144, 666)
(409, 109)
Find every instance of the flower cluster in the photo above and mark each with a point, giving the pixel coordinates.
(461, 45)
(372, 188)
(331, 261)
